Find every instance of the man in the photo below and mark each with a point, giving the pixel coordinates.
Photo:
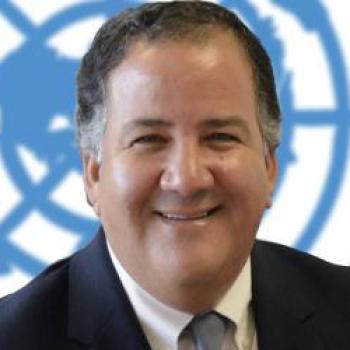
(178, 123)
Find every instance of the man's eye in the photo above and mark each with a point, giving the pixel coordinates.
(222, 137)
(148, 139)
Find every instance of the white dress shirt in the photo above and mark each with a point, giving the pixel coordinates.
(163, 325)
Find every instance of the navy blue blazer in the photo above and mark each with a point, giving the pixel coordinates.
(299, 303)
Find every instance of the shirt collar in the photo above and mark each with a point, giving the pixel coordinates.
(236, 301)
(163, 324)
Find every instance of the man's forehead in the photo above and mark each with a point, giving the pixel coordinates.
(178, 79)
(204, 42)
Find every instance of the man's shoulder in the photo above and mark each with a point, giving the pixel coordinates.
(308, 263)
(30, 312)
(303, 272)
(299, 297)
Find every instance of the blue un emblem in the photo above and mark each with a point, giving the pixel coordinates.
(43, 214)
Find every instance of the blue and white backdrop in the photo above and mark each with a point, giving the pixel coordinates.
(43, 214)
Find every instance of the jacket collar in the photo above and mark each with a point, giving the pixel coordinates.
(100, 314)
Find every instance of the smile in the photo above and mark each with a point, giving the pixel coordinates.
(187, 217)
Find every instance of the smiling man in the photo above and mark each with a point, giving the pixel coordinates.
(178, 122)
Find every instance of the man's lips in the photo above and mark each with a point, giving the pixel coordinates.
(187, 216)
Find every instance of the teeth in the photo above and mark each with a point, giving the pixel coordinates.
(184, 217)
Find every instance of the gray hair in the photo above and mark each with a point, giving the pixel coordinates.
(176, 20)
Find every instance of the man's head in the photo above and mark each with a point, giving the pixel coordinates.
(185, 165)
(175, 21)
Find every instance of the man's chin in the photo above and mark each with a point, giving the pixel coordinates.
(194, 274)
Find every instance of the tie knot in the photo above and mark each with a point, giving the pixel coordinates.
(208, 331)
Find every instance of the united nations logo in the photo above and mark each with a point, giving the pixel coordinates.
(43, 214)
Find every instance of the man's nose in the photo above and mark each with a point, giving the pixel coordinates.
(187, 170)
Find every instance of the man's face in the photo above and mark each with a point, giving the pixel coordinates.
(185, 176)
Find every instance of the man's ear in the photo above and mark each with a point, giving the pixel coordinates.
(272, 172)
(91, 175)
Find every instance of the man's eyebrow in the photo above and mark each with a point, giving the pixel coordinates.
(218, 122)
(227, 121)
(147, 122)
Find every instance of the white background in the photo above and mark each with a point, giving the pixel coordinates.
(312, 87)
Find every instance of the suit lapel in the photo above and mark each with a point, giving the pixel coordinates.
(100, 314)
(284, 314)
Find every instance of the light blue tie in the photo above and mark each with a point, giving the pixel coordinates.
(208, 331)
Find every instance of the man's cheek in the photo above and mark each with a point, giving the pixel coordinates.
(130, 182)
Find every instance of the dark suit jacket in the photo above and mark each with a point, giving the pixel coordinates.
(299, 303)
